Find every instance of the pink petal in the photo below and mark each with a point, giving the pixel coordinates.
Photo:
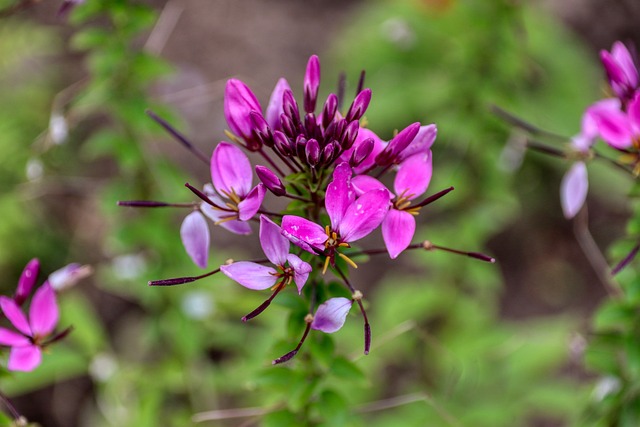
(11, 338)
(614, 128)
(195, 238)
(274, 244)
(274, 109)
(573, 189)
(304, 233)
(628, 68)
(331, 315)
(24, 358)
(589, 126)
(421, 143)
(301, 270)
(27, 280)
(251, 275)
(250, 206)
(364, 215)
(43, 313)
(365, 183)
(231, 170)
(414, 175)
(398, 229)
(239, 101)
(398, 144)
(339, 194)
(12, 312)
(68, 276)
(235, 226)
(633, 110)
(378, 146)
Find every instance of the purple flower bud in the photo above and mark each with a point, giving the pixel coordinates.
(261, 129)
(290, 107)
(69, 275)
(281, 143)
(301, 147)
(274, 109)
(27, 280)
(359, 105)
(330, 152)
(329, 110)
(311, 84)
(239, 101)
(397, 145)
(311, 126)
(350, 134)
(313, 152)
(361, 152)
(270, 180)
(288, 127)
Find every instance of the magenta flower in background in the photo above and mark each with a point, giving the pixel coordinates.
(288, 267)
(27, 280)
(352, 218)
(621, 70)
(619, 129)
(27, 343)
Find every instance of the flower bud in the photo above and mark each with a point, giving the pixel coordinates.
(288, 127)
(281, 143)
(261, 131)
(313, 152)
(27, 280)
(330, 152)
(311, 126)
(359, 105)
(311, 84)
(290, 107)
(361, 152)
(397, 145)
(350, 134)
(239, 101)
(329, 110)
(270, 180)
(301, 147)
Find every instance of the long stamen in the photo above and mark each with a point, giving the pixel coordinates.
(308, 319)
(434, 197)
(205, 198)
(427, 245)
(181, 280)
(348, 260)
(178, 136)
(357, 296)
(626, 260)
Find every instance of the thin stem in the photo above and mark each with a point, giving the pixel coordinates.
(179, 137)
(14, 412)
(520, 123)
(593, 253)
(262, 211)
(546, 149)
(435, 197)
(154, 204)
(626, 260)
(612, 162)
(367, 327)
(292, 353)
(181, 280)
(262, 307)
(302, 199)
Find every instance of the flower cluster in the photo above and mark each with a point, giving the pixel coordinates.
(34, 333)
(332, 170)
(615, 120)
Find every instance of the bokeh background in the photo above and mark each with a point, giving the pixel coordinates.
(456, 342)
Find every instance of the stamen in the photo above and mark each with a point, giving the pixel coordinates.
(434, 197)
(326, 265)
(204, 197)
(181, 280)
(293, 352)
(226, 219)
(232, 206)
(233, 137)
(348, 260)
(178, 136)
(264, 305)
(153, 204)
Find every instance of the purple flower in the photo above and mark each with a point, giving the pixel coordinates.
(331, 315)
(194, 233)
(27, 343)
(288, 267)
(232, 178)
(621, 70)
(619, 129)
(239, 102)
(352, 218)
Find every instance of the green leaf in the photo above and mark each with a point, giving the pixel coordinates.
(346, 370)
(333, 408)
(281, 418)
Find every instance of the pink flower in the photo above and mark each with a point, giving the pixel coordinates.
(619, 129)
(352, 218)
(622, 72)
(27, 343)
(288, 267)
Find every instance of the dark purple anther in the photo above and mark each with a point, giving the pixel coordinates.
(270, 180)
(290, 107)
(313, 152)
(359, 106)
(311, 84)
(329, 110)
(281, 143)
(361, 152)
(350, 134)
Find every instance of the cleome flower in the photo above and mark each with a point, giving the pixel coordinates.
(621, 70)
(352, 218)
(288, 267)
